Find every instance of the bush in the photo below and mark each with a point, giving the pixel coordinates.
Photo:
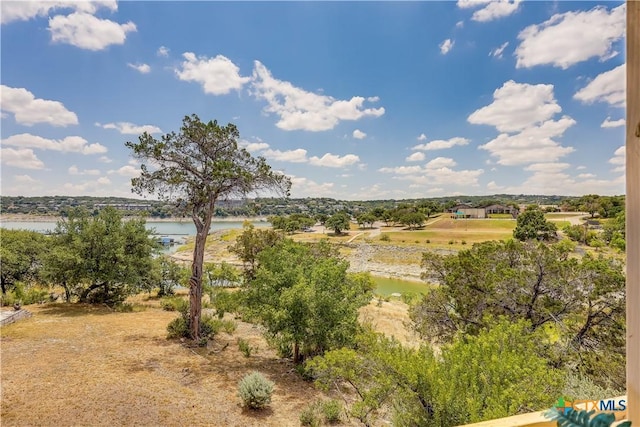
(255, 390)
(385, 238)
(331, 409)
(451, 242)
(244, 347)
(210, 325)
(464, 242)
(174, 304)
(8, 299)
(308, 417)
(428, 240)
(178, 328)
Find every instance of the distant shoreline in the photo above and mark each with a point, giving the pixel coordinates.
(53, 219)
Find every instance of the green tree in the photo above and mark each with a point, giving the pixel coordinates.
(531, 224)
(366, 218)
(108, 259)
(304, 297)
(250, 243)
(338, 222)
(412, 219)
(590, 203)
(580, 300)
(195, 168)
(21, 252)
(171, 274)
(497, 373)
(221, 275)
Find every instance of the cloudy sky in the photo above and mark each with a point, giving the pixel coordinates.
(352, 100)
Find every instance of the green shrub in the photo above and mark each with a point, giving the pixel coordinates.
(210, 325)
(451, 242)
(9, 298)
(244, 347)
(428, 240)
(178, 328)
(331, 409)
(308, 417)
(255, 390)
(178, 304)
(464, 242)
(385, 238)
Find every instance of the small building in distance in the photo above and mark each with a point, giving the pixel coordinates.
(466, 211)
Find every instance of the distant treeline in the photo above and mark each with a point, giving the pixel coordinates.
(603, 206)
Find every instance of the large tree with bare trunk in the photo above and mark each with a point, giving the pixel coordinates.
(195, 168)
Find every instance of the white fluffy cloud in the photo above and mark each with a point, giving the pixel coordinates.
(128, 171)
(358, 134)
(497, 52)
(70, 144)
(532, 145)
(572, 37)
(302, 110)
(87, 188)
(303, 187)
(334, 161)
(127, 128)
(141, 68)
(29, 110)
(491, 9)
(422, 137)
(446, 46)
(25, 10)
(415, 157)
(440, 144)
(517, 106)
(609, 87)
(21, 158)
(73, 170)
(85, 31)
(441, 162)
(163, 51)
(24, 179)
(619, 159)
(254, 146)
(608, 123)
(294, 156)
(552, 178)
(218, 76)
(436, 172)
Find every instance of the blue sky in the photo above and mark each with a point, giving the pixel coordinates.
(353, 100)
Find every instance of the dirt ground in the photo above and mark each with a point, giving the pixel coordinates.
(78, 365)
(84, 366)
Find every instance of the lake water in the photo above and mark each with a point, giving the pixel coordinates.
(167, 228)
(386, 286)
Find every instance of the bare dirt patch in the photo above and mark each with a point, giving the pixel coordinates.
(73, 365)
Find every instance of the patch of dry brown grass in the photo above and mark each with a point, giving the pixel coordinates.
(390, 318)
(82, 365)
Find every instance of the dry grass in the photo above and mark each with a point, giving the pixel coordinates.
(390, 318)
(81, 365)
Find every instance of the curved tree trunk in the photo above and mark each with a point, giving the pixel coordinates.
(195, 284)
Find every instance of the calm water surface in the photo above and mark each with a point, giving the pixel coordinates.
(172, 228)
(386, 286)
